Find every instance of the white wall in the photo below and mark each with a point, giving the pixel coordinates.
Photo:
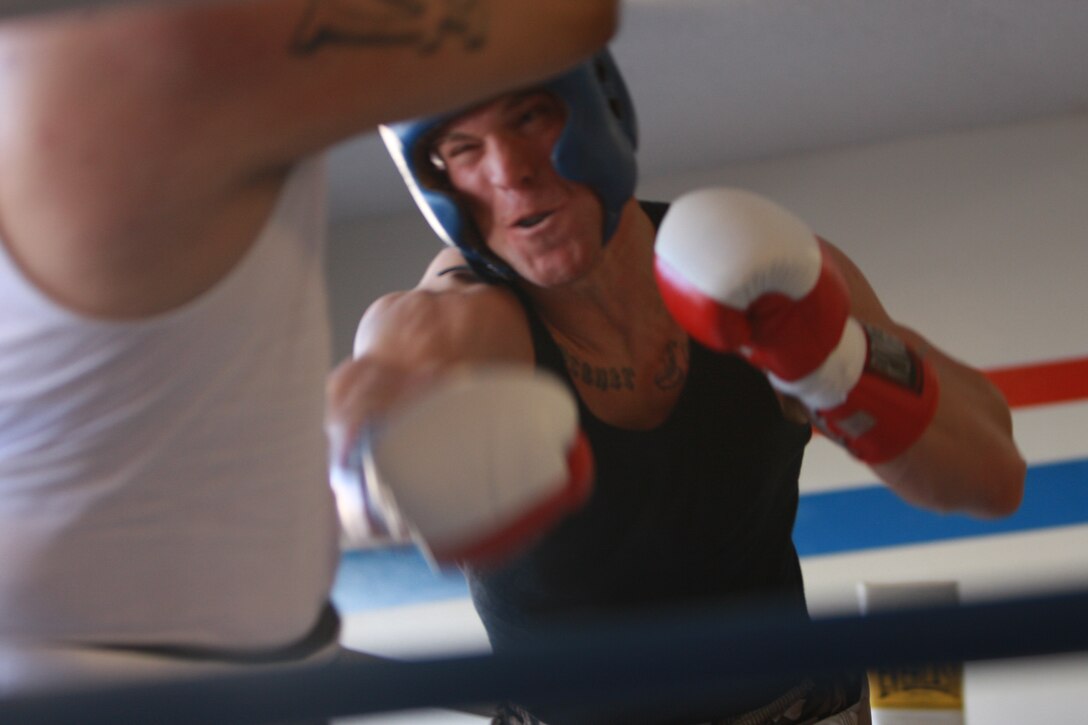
(980, 240)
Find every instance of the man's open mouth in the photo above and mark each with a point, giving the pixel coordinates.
(528, 222)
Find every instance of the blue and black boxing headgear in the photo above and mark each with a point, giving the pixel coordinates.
(595, 148)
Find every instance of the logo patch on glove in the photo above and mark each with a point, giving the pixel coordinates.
(891, 359)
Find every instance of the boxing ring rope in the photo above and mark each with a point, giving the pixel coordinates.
(705, 659)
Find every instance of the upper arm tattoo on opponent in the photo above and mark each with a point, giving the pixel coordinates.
(422, 24)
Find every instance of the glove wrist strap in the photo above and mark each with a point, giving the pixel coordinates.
(891, 405)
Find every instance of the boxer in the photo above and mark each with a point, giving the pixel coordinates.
(687, 336)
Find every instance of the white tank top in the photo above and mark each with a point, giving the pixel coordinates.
(163, 481)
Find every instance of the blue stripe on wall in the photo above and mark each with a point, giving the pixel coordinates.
(1055, 494)
(827, 523)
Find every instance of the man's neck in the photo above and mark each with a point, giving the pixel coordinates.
(626, 355)
(616, 307)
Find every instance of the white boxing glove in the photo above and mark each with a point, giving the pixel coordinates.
(741, 274)
(477, 467)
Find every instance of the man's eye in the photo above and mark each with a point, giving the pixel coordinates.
(534, 113)
(452, 152)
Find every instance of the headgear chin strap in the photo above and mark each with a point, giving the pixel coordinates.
(595, 148)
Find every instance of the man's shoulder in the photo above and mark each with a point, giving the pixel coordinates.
(449, 293)
(450, 320)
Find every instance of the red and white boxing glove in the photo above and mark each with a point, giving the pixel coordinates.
(478, 466)
(742, 274)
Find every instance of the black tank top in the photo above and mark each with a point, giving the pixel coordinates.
(697, 512)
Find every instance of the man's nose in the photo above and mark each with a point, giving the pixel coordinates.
(512, 162)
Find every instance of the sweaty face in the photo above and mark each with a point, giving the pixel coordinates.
(498, 159)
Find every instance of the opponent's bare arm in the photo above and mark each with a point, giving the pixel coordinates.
(319, 70)
(407, 340)
(967, 459)
(149, 140)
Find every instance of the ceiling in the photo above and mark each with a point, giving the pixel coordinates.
(720, 81)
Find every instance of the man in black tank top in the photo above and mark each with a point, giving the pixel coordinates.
(698, 448)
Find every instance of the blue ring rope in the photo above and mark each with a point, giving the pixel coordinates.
(669, 658)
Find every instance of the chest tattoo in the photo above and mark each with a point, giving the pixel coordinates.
(602, 378)
(674, 369)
